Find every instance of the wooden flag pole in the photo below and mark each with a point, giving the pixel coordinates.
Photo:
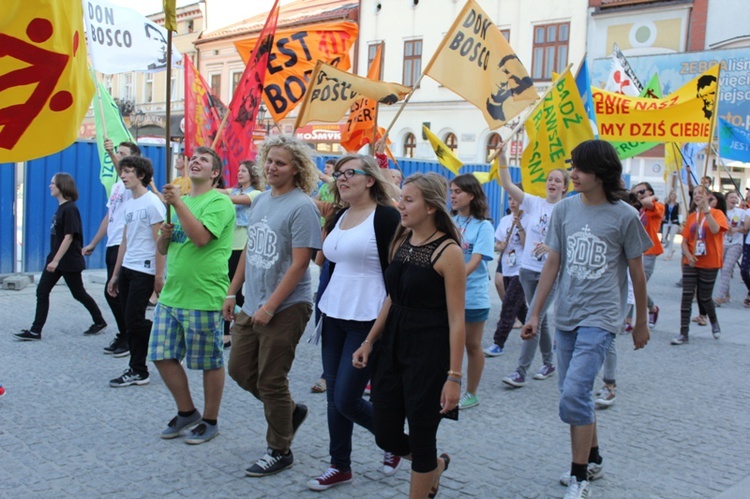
(712, 126)
(167, 128)
(403, 105)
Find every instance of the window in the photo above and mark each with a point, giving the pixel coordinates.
(506, 34)
(173, 88)
(451, 141)
(372, 50)
(493, 141)
(410, 145)
(236, 77)
(148, 87)
(216, 84)
(412, 62)
(127, 86)
(550, 51)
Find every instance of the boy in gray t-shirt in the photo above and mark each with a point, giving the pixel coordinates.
(593, 239)
(283, 231)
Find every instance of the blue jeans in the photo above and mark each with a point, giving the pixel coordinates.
(580, 355)
(346, 384)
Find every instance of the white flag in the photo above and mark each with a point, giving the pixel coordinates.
(120, 39)
(622, 78)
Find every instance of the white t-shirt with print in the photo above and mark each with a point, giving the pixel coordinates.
(140, 214)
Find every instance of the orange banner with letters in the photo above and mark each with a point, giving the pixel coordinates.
(360, 125)
(44, 80)
(293, 58)
(682, 116)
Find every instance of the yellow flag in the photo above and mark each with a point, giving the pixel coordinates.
(682, 116)
(170, 16)
(554, 128)
(475, 61)
(332, 92)
(672, 159)
(444, 155)
(44, 81)
(489, 176)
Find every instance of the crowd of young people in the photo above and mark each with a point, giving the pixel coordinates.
(407, 291)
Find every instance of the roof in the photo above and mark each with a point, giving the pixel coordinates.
(295, 13)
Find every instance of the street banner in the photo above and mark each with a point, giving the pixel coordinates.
(629, 149)
(203, 111)
(110, 125)
(120, 39)
(734, 142)
(583, 82)
(44, 80)
(332, 92)
(682, 116)
(444, 155)
(622, 79)
(293, 58)
(475, 61)
(237, 136)
(554, 128)
(360, 125)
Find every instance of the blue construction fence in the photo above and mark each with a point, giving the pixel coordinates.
(81, 160)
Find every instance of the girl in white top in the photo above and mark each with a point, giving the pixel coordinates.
(538, 213)
(357, 249)
(733, 241)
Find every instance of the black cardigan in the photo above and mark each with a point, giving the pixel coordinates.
(387, 219)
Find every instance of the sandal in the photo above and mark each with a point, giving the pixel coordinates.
(319, 387)
(702, 321)
(434, 490)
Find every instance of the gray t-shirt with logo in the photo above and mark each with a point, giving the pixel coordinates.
(276, 225)
(594, 243)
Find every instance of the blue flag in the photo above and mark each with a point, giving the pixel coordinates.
(734, 142)
(583, 82)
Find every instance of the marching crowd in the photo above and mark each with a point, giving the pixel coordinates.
(404, 290)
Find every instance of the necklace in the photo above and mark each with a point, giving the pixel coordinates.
(413, 245)
(457, 221)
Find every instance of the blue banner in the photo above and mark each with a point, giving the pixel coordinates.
(583, 82)
(734, 142)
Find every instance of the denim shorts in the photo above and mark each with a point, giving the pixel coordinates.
(476, 314)
(196, 334)
(580, 355)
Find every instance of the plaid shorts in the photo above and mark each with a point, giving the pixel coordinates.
(196, 334)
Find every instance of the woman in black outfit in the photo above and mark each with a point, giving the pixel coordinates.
(670, 224)
(64, 260)
(417, 376)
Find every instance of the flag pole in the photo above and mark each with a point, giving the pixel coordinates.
(167, 127)
(712, 126)
(721, 162)
(533, 109)
(679, 178)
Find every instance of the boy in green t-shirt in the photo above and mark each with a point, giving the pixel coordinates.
(187, 320)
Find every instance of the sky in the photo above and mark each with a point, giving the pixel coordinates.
(221, 13)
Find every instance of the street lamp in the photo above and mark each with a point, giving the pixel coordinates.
(262, 110)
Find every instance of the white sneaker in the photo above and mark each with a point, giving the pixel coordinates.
(605, 398)
(578, 490)
(593, 472)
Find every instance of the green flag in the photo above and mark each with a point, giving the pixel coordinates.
(108, 122)
(629, 149)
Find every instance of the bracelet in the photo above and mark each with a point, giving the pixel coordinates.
(455, 380)
(230, 296)
(457, 374)
(366, 342)
(263, 308)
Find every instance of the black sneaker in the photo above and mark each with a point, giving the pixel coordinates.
(298, 417)
(270, 464)
(95, 329)
(110, 349)
(128, 378)
(121, 351)
(26, 335)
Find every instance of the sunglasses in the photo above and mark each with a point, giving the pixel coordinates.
(641, 192)
(347, 174)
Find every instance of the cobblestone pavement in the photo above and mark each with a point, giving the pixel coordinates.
(680, 426)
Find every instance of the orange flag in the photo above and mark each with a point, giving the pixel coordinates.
(360, 126)
(44, 81)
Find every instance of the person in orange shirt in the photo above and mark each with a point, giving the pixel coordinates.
(702, 250)
(651, 214)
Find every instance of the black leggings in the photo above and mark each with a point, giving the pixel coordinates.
(703, 280)
(234, 260)
(75, 284)
(421, 441)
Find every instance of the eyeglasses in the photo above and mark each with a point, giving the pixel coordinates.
(347, 174)
(641, 192)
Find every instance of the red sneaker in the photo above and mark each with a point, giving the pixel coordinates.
(331, 478)
(2, 391)
(653, 317)
(391, 464)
